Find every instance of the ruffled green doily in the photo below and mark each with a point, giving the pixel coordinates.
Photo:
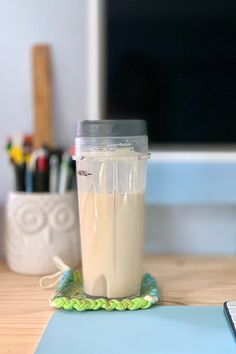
(70, 295)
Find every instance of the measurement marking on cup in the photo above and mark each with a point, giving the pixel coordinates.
(84, 173)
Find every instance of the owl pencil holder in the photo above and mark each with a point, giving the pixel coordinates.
(38, 227)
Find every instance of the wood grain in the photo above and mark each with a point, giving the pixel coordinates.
(24, 310)
(42, 88)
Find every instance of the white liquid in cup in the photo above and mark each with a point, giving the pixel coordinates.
(112, 227)
(111, 160)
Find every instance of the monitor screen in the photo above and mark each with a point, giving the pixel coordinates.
(173, 63)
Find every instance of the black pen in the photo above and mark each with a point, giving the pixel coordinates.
(20, 177)
(42, 174)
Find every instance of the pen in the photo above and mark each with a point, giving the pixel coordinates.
(27, 145)
(66, 172)
(28, 178)
(42, 175)
(20, 177)
(30, 173)
(53, 173)
(17, 157)
(73, 184)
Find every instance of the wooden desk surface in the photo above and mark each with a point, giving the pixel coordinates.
(24, 310)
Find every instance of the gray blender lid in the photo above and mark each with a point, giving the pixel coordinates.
(111, 128)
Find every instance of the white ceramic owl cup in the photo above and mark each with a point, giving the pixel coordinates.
(38, 227)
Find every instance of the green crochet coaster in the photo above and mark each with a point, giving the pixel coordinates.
(70, 295)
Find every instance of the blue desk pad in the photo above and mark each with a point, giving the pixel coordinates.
(158, 330)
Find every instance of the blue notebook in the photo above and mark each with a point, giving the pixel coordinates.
(159, 330)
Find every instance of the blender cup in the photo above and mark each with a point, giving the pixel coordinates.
(111, 158)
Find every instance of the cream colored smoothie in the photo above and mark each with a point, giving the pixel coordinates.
(112, 228)
(111, 158)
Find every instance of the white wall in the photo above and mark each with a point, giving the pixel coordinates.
(60, 23)
(205, 229)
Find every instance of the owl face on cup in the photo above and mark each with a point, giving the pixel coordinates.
(33, 217)
(39, 227)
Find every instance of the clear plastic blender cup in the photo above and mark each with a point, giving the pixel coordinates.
(111, 158)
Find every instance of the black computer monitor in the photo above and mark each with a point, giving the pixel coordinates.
(173, 63)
